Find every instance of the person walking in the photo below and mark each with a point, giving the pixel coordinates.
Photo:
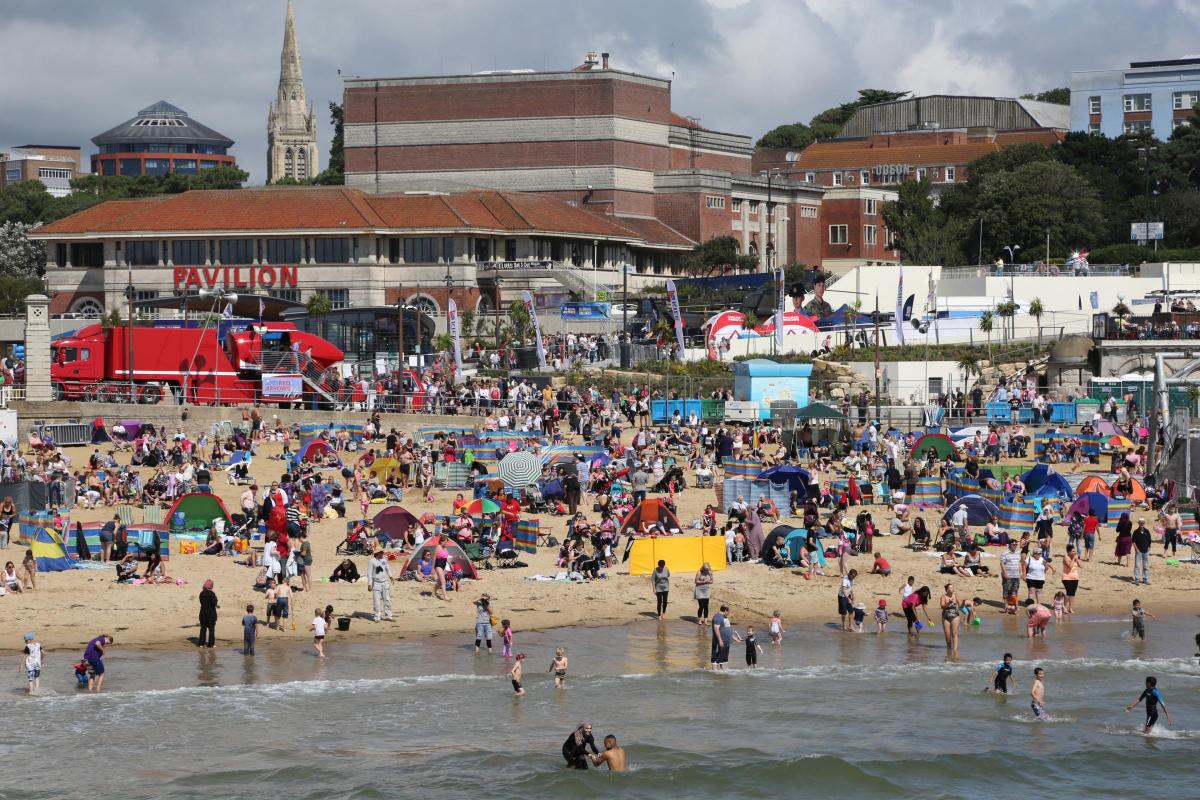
(379, 584)
(661, 580)
(208, 615)
(846, 599)
(1071, 565)
(483, 622)
(1141, 552)
(704, 582)
(1124, 538)
(951, 608)
(1172, 524)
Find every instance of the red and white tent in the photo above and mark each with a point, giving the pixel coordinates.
(724, 325)
(793, 322)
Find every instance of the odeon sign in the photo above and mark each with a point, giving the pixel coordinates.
(265, 277)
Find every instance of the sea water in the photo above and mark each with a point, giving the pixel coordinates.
(827, 715)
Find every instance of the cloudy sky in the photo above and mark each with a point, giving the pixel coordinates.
(70, 69)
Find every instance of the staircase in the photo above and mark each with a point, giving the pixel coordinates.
(578, 280)
(314, 376)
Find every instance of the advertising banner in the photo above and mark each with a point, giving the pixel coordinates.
(527, 299)
(674, 297)
(282, 386)
(453, 324)
(584, 310)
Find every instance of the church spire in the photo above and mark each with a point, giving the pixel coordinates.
(291, 127)
(290, 101)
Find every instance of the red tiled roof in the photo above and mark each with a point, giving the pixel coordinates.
(338, 208)
(655, 232)
(680, 119)
(819, 156)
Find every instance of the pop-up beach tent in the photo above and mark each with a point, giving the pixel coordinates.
(979, 509)
(457, 558)
(396, 521)
(199, 509)
(939, 443)
(1042, 481)
(49, 551)
(312, 451)
(652, 510)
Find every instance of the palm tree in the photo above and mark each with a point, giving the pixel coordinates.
(969, 366)
(1007, 310)
(1036, 310)
(318, 306)
(986, 321)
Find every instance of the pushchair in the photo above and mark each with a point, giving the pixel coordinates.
(355, 542)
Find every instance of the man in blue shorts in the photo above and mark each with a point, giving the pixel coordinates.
(94, 656)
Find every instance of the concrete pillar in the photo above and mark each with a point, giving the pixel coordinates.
(37, 348)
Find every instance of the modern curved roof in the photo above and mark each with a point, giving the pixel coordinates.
(162, 123)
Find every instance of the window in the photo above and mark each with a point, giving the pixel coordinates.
(837, 179)
(1093, 105)
(236, 251)
(839, 234)
(157, 166)
(331, 251)
(1140, 126)
(510, 249)
(54, 173)
(338, 298)
(951, 174)
(131, 167)
(283, 251)
(393, 251)
(889, 237)
(1185, 101)
(808, 212)
(209, 164)
(753, 206)
(12, 174)
(870, 234)
(422, 250)
(141, 254)
(184, 166)
(145, 294)
(189, 251)
(1093, 127)
(865, 176)
(810, 177)
(921, 174)
(737, 206)
(87, 255)
(869, 206)
(291, 295)
(712, 201)
(1137, 102)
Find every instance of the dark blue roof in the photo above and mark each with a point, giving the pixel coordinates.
(164, 123)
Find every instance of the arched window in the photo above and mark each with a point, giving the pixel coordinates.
(289, 163)
(88, 307)
(301, 164)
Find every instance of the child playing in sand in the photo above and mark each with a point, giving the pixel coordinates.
(515, 674)
(881, 616)
(775, 627)
(318, 629)
(1138, 617)
(1060, 599)
(506, 636)
(753, 648)
(559, 667)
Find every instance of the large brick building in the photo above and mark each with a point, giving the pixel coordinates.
(597, 137)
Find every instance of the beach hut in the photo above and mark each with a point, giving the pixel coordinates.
(397, 521)
(458, 558)
(979, 509)
(651, 510)
(939, 443)
(196, 511)
(1093, 483)
(1042, 481)
(682, 553)
(49, 552)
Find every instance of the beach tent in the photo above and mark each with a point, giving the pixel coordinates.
(1042, 481)
(939, 443)
(683, 554)
(49, 551)
(797, 477)
(381, 468)
(312, 450)
(199, 509)
(793, 322)
(818, 411)
(979, 509)
(1137, 495)
(652, 510)
(458, 558)
(1093, 483)
(1093, 501)
(396, 521)
(724, 325)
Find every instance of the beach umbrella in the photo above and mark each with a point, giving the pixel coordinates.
(1118, 441)
(483, 506)
(520, 468)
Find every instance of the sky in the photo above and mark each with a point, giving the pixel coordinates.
(70, 69)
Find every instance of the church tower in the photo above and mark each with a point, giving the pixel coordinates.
(291, 126)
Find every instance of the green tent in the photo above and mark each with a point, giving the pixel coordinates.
(198, 511)
(939, 443)
(814, 411)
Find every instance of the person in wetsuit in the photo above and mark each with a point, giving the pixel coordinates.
(1003, 675)
(575, 748)
(1153, 700)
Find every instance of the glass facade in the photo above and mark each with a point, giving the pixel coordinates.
(421, 250)
(331, 251)
(189, 252)
(364, 333)
(236, 251)
(156, 166)
(131, 167)
(283, 251)
(186, 166)
(142, 254)
(155, 147)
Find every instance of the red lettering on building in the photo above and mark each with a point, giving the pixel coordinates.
(265, 276)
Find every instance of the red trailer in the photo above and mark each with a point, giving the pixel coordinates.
(268, 362)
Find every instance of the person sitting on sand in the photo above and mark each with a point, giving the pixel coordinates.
(345, 571)
(127, 569)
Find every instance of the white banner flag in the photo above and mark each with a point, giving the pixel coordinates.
(900, 309)
(674, 297)
(780, 307)
(453, 325)
(527, 298)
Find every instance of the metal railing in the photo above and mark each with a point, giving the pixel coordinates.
(1037, 271)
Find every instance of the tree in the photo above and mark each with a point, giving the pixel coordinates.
(522, 323)
(969, 366)
(1036, 310)
(924, 232)
(19, 256)
(334, 173)
(466, 324)
(13, 291)
(986, 321)
(25, 202)
(717, 256)
(826, 124)
(319, 305)
(1006, 309)
(1060, 96)
(795, 136)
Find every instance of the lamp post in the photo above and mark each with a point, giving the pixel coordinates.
(1047, 246)
(770, 244)
(1145, 154)
(1012, 253)
(624, 344)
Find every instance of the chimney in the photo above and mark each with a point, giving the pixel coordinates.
(604, 61)
(590, 59)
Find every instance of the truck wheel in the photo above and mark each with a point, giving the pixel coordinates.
(150, 395)
(107, 394)
(56, 391)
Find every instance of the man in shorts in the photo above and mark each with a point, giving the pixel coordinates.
(1010, 576)
(723, 636)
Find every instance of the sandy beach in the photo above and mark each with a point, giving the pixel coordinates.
(68, 608)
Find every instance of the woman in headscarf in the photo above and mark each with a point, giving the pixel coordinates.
(754, 533)
(1124, 538)
(575, 748)
(208, 615)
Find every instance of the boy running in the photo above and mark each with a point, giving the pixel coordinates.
(1037, 695)
(33, 662)
(1153, 699)
(1002, 675)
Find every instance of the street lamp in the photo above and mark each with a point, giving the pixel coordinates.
(1047, 246)
(770, 245)
(1012, 252)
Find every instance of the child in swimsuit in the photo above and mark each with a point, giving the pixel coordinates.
(559, 667)
(776, 628)
(506, 635)
(753, 648)
(515, 674)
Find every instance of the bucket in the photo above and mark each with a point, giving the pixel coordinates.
(343, 623)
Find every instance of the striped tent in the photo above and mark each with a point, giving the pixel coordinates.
(741, 468)
(527, 535)
(1017, 518)
(312, 429)
(929, 492)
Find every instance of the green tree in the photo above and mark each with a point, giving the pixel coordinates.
(13, 291)
(986, 322)
(925, 233)
(466, 324)
(969, 365)
(826, 124)
(1060, 96)
(718, 256)
(334, 173)
(519, 319)
(795, 136)
(319, 305)
(1006, 310)
(25, 202)
(1036, 310)
(19, 255)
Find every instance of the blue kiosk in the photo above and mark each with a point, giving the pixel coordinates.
(762, 381)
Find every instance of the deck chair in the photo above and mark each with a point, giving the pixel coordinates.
(152, 515)
(1194, 558)
(918, 541)
(125, 514)
(480, 554)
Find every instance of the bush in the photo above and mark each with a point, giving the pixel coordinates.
(1130, 253)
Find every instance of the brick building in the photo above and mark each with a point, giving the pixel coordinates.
(597, 137)
(53, 165)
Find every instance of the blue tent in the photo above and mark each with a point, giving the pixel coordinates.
(1042, 481)
(844, 316)
(796, 477)
(979, 509)
(1096, 502)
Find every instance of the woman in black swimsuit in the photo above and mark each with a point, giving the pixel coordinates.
(575, 748)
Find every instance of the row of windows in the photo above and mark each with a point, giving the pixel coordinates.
(1135, 127)
(840, 234)
(1180, 101)
(45, 172)
(205, 149)
(132, 167)
(946, 174)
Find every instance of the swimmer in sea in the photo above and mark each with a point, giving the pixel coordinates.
(515, 674)
(1153, 700)
(574, 749)
(559, 667)
(1002, 675)
(1037, 695)
(613, 756)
